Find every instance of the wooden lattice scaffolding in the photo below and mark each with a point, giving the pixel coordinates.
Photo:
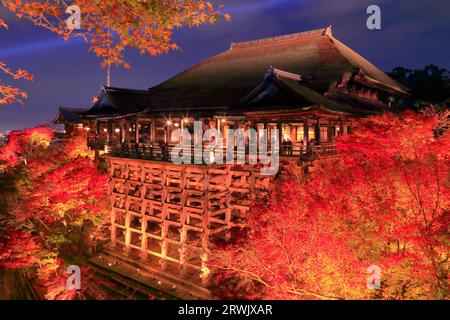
(168, 215)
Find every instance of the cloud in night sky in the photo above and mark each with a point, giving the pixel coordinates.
(31, 47)
(414, 33)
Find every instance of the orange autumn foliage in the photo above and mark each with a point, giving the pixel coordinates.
(111, 26)
(59, 206)
(18, 249)
(384, 201)
(8, 93)
(26, 145)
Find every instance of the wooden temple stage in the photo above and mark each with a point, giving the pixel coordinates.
(165, 219)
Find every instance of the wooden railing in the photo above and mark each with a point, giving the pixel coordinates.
(161, 152)
(299, 150)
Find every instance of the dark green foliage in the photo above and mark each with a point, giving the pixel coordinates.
(430, 84)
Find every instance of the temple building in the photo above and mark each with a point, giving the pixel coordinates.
(165, 217)
(69, 118)
(309, 85)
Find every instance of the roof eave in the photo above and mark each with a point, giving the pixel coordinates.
(367, 80)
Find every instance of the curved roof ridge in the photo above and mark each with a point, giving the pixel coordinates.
(305, 34)
(117, 89)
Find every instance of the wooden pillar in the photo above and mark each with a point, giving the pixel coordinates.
(137, 130)
(226, 129)
(110, 132)
(236, 127)
(306, 131)
(184, 220)
(127, 131)
(113, 228)
(122, 131)
(254, 126)
(164, 223)
(206, 232)
(183, 249)
(280, 131)
(317, 131)
(268, 134)
(280, 137)
(97, 138)
(341, 128)
(127, 231)
(144, 238)
(97, 128)
(330, 133)
(167, 133)
(181, 138)
(218, 125)
(153, 131)
(292, 132)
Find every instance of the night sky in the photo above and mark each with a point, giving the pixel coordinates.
(414, 33)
